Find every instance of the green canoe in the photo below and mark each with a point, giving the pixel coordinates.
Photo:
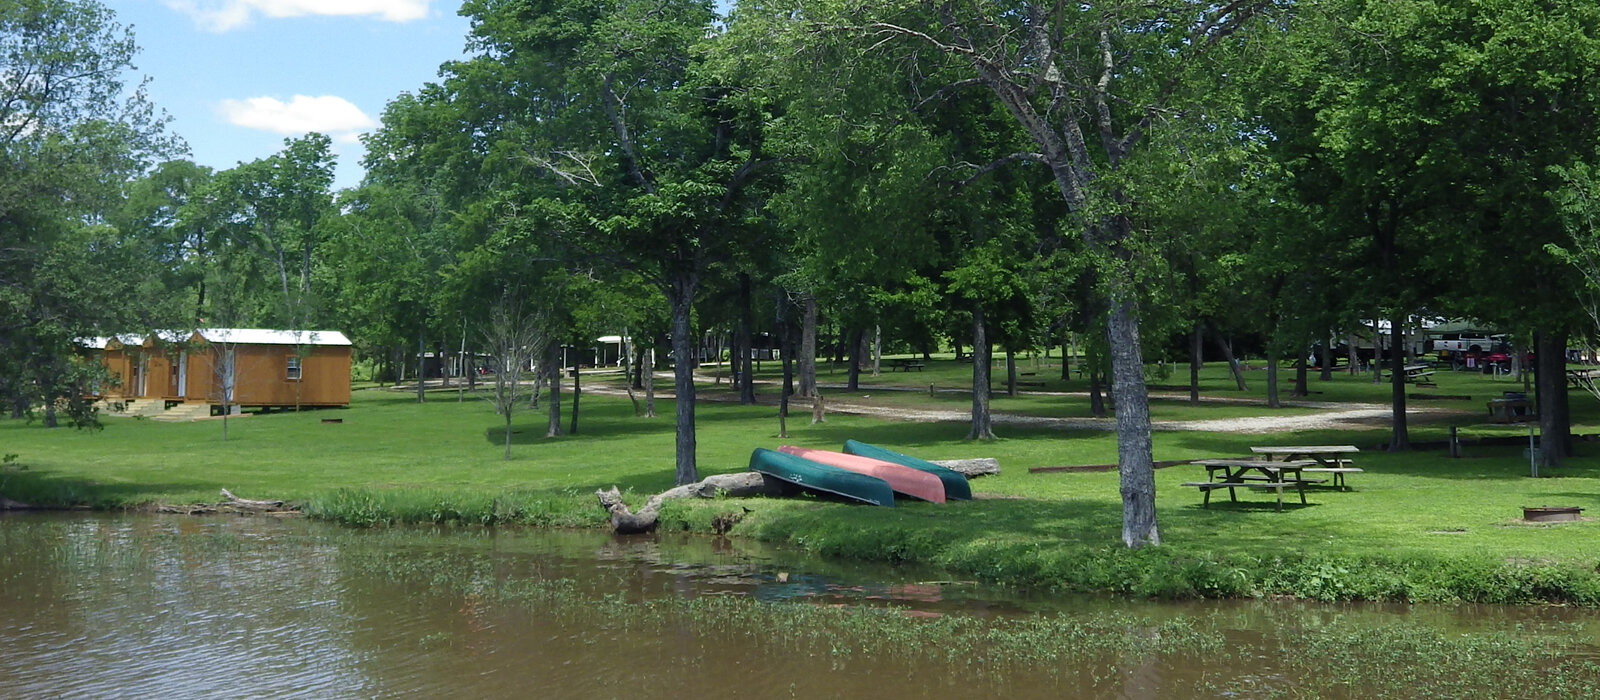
(812, 476)
(955, 483)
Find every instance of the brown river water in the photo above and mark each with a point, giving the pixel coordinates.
(141, 606)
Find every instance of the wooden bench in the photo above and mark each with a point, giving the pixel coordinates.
(1206, 487)
(1337, 472)
(906, 365)
(1254, 477)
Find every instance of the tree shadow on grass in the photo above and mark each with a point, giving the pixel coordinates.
(48, 489)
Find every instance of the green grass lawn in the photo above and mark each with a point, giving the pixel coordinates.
(442, 461)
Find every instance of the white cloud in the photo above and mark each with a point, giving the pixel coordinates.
(331, 115)
(223, 15)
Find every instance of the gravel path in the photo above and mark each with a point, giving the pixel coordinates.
(1330, 416)
(1344, 417)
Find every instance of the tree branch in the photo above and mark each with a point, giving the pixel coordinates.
(996, 165)
(614, 106)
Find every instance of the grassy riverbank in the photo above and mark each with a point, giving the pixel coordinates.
(1417, 526)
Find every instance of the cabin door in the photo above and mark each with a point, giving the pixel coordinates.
(183, 375)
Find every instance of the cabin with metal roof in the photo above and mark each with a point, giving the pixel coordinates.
(229, 367)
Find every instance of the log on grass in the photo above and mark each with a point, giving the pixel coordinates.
(230, 504)
(970, 468)
(248, 504)
(627, 522)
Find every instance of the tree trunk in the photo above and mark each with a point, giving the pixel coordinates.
(1196, 359)
(1400, 441)
(1233, 362)
(680, 296)
(808, 346)
(746, 361)
(982, 356)
(877, 350)
(422, 342)
(1097, 399)
(647, 374)
(1377, 353)
(1011, 373)
(853, 371)
(1272, 378)
(1134, 462)
(577, 392)
(1300, 388)
(1555, 420)
(552, 364)
(1355, 356)
(444, 367)
(787, 345)
(1066, 354)
(508, 436)
(1326, 360)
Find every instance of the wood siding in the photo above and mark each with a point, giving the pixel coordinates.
(261, 376)
(121, 381)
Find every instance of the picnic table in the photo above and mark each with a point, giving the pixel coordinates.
(1234, 474)
(1328, 459)
(905, 364)
(1421, 375)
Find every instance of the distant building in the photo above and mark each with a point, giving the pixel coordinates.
(245, 367)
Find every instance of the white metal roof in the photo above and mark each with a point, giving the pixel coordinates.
(100, 342)
(262, 336)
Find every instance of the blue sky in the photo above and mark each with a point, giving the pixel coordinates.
(240, 76)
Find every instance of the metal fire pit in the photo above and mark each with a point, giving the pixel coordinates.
(1547, 514)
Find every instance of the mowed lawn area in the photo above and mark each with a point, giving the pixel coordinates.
(398, 460)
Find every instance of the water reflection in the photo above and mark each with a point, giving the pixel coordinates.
(136, 606)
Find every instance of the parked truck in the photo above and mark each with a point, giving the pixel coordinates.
(1468, 342)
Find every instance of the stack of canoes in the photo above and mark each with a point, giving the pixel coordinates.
(862, 472)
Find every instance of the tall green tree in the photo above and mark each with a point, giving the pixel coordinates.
(643, 149)
(1087, 83)
(72, 133)
(269, 210)
(1424, 134)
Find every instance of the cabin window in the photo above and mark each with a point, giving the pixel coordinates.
(294, 369)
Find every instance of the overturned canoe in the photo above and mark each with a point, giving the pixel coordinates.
(902, 479)
(955, 483)
(822, 478)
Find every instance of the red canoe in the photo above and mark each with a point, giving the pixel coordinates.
(903, 480)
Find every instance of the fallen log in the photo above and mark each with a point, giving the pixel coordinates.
(627, 522)
(248, 504)
(230, 504)
(971, 468)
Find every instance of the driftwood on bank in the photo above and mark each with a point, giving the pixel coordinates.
(627, 522)
(230, 504)
(971, 468)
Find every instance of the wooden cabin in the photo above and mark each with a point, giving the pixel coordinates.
(263, 368)
(268, 368)
(120, 356)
